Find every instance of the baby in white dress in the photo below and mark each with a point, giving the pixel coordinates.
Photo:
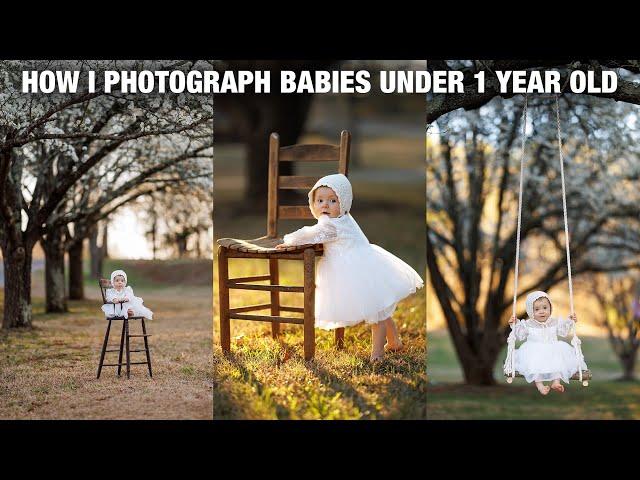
(543, 357)
(355, 280)
(122, 301)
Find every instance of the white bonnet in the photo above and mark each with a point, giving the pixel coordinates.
(115, 273)
(340, 184)
(532, 297)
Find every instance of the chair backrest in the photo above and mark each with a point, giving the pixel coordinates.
(299, 153)
(104, 284)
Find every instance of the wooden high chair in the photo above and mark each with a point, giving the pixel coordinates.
(264, 247)
(124, 338)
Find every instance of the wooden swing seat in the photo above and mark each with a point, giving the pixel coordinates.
(586, 375)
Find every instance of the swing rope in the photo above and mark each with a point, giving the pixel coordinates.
(575, 341)
(511, 341)
(509, 366)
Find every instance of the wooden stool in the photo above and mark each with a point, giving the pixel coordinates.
(264, 248)
(124, 338)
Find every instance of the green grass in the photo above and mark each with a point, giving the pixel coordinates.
(605, 398)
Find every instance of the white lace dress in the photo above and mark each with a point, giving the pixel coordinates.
(355, 280)
(542, 357)
(121, 310)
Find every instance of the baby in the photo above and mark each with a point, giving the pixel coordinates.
(121, 302)
(355, 280)
(543, 357)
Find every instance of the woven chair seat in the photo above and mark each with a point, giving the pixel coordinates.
(263, 245)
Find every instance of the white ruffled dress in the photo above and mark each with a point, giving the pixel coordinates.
(355, 280)
(121, 310)
(542, 357)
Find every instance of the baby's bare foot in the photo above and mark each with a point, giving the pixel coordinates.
(557, 386)
(394, 347)
(542, 388)
(374, 359)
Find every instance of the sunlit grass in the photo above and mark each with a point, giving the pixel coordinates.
(269, 379)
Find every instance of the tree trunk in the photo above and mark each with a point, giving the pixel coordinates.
(55, 298)
(17, 286)
(105, 245)
(476, 373)
(76, 280)
(95, 253)
(181, 243)
(628, 362)
(285, 115)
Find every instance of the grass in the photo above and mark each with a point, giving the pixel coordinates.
(265, 378)
(48, 372)
(606, 398)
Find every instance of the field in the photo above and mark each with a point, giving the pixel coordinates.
(49, 372)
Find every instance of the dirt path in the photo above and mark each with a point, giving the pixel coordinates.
(50, 372)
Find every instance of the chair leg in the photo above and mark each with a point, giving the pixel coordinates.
(104, 348)
(146, 348)
(309, 303)
(339, 338)
(126, 329)
(275, 295)
(223, 289)
(122, 335)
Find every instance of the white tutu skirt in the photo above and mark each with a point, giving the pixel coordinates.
(121, 310)
(361, 283)
(546, 361)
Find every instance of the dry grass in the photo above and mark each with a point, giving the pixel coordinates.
(49, 372)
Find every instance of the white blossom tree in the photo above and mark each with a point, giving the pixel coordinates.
(67, 160)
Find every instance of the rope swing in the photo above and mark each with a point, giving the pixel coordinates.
(509, 368)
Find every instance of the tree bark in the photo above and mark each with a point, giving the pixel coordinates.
(76, 280)
(285, 115)
(96, 253)
(105, 245)
(17, 286)
(55, 298)
(628, 362)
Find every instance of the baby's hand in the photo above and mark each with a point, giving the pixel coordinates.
(573, 317)
(281, 246)
(512, 320)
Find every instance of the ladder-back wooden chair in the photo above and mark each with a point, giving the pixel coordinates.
(124, 337)
(264, 247)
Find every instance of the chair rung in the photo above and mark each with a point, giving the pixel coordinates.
(250, 279)
(269, 288)
(141, 335)
(112, 350)
(268, 318)
(131, 351)
(123, 364)
(291, 309)
(250, 308)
